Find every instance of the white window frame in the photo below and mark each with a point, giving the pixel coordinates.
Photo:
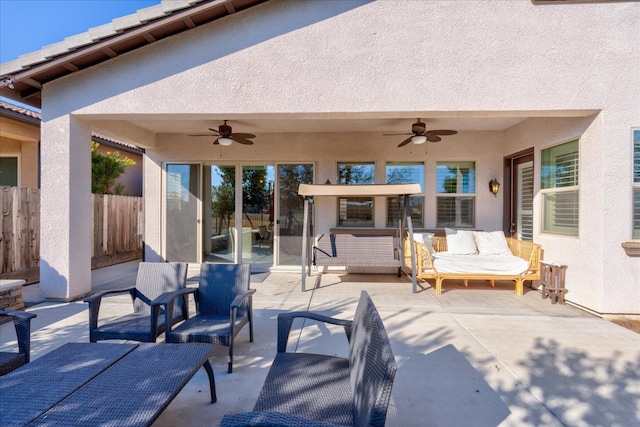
(421, 199)
(471, 195)
(367, 203)
(547, 193)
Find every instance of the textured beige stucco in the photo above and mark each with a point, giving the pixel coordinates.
(311, 59)
(21, 140)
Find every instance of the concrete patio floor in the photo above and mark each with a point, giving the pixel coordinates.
(476, 356)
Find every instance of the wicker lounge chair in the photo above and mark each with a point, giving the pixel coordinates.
(224, 305)
(10, 361)
(145, 323)
(303, 389)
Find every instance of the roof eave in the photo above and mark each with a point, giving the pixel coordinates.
(22, 81)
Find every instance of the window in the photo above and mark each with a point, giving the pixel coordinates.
(636, 184)
(560, 191)
(405, 173)
(9, 171)
(355, 211)
(455, 188)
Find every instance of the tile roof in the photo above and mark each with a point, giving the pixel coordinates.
(16, 111)
(23, 78)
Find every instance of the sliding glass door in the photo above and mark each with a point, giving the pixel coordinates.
(239, 214)
(220, 214)
(182, 218)
(291, 211)
(257, 214)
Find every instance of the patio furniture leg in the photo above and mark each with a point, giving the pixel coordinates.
(212, 381)
(519, 289)
(250, 317)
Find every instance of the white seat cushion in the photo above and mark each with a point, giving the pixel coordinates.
(507, 265)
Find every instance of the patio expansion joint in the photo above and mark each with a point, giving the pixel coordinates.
(504, 365)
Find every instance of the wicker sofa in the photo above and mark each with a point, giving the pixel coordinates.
(427, 263)
(318, 390)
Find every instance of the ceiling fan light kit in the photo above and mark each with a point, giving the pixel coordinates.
(226, 136)
(420, 134)
(419, 139)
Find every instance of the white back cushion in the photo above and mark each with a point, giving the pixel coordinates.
(461, 242)
(492, 243)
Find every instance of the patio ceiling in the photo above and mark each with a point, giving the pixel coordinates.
(395, 122)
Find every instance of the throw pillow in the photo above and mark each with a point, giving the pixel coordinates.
(426, 239)
(492, 243)
(461, 242)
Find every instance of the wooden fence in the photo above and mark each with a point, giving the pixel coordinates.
(20, 240)
(117, 225)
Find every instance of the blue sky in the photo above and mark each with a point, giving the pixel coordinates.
(29, 25)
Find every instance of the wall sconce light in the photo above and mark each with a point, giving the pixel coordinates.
(494, 187)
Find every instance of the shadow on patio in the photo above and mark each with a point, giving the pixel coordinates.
(472, 356)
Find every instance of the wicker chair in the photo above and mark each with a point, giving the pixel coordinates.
(317, 390)
(224, 304)
(13, 360)
(145, 323)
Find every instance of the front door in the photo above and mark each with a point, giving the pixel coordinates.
(519, 207)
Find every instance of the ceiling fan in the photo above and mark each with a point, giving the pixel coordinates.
(420, 134)
(226, 136)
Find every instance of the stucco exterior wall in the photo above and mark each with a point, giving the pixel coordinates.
(397, 59)
(326, 150)
(21, 140)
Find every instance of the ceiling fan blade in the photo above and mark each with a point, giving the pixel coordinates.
(442, 132)
(405, 142)
(396, 134)
(201, 134)
(433, 138)
(243, 135)
(240, 140)
(217, 132)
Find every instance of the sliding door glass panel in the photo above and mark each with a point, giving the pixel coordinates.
(181, 227)
(291, 211)
(256, 234)
(220, 209)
